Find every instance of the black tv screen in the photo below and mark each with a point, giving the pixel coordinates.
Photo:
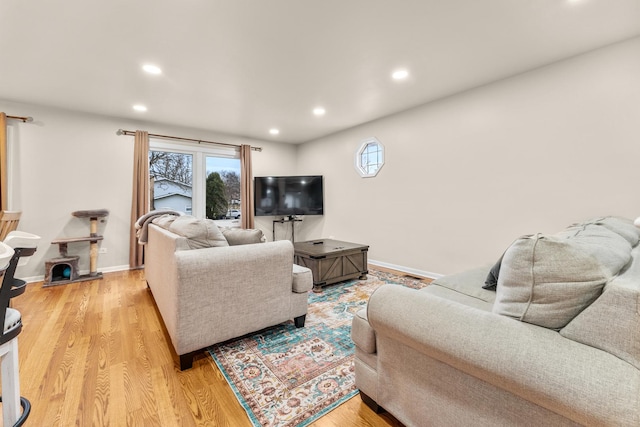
(288, 195)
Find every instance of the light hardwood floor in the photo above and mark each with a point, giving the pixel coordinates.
(96, 354)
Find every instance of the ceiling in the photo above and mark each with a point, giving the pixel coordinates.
(243, 67)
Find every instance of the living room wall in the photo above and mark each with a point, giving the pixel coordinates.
(463, 177)
(67, 160)
(466, 175)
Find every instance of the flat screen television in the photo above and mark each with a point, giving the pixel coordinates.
(288, 195)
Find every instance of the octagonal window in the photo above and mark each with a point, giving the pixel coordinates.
(369, 158)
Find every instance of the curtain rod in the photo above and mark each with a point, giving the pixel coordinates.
(179, 138)
(24, 119)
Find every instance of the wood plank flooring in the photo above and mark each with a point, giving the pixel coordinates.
(96, 354)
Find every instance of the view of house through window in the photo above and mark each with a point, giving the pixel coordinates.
(172, 177)
(204, 183)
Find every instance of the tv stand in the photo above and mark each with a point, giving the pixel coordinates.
(292, 219)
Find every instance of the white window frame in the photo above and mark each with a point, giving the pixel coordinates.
(365, 169)
(199, 155)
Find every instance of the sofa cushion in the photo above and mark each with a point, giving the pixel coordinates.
(547, 280)
(164, 221)
(241, 236)
(611, 249)
(200, 233)
(463, 288)
(621, 226)
(612, 322)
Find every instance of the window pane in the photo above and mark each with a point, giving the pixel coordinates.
(364, 159)
(172, 177)
(222, 194)
(369, 157)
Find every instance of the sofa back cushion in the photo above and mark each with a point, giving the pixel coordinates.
(547, 280)
(611, 249)
(242, 236)
(622, 226)
(200, 233)
(612, 322)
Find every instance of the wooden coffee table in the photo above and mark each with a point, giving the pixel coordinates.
(332, 261)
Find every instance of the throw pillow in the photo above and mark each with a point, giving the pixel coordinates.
(547, 280)
(200, 233)
(240, 236)
(491, 282)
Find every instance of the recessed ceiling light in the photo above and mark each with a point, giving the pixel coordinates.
(139, 107)
(400, 74)
(319, 111)
(274, 131)
(151, 69)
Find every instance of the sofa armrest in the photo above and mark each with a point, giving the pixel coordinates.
(302, 279)
(577, 381)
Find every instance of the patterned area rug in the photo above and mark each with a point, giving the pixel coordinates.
(284, 376)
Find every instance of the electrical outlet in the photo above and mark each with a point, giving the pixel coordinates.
(103, 250)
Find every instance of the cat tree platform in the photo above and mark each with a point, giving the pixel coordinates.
(64, 269)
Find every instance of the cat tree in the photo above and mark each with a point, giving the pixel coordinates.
(64, 269)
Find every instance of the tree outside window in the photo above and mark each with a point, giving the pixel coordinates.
(216, 200)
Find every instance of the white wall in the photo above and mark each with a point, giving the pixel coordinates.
(466, 175)
(66, 161)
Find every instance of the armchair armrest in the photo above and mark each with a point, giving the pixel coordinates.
(579, 382)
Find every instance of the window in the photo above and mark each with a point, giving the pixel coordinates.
(198, 180)
(369, 158)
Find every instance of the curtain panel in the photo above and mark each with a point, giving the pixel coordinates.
(4, 185)
(140, 194)
(246, 187)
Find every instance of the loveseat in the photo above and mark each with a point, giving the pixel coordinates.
(556, 343)
(211, 284)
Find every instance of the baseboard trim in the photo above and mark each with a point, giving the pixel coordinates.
(113, 269)
(401, 268)
(404, 269)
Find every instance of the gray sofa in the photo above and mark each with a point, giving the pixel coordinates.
(556, 343)
(211, 285)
